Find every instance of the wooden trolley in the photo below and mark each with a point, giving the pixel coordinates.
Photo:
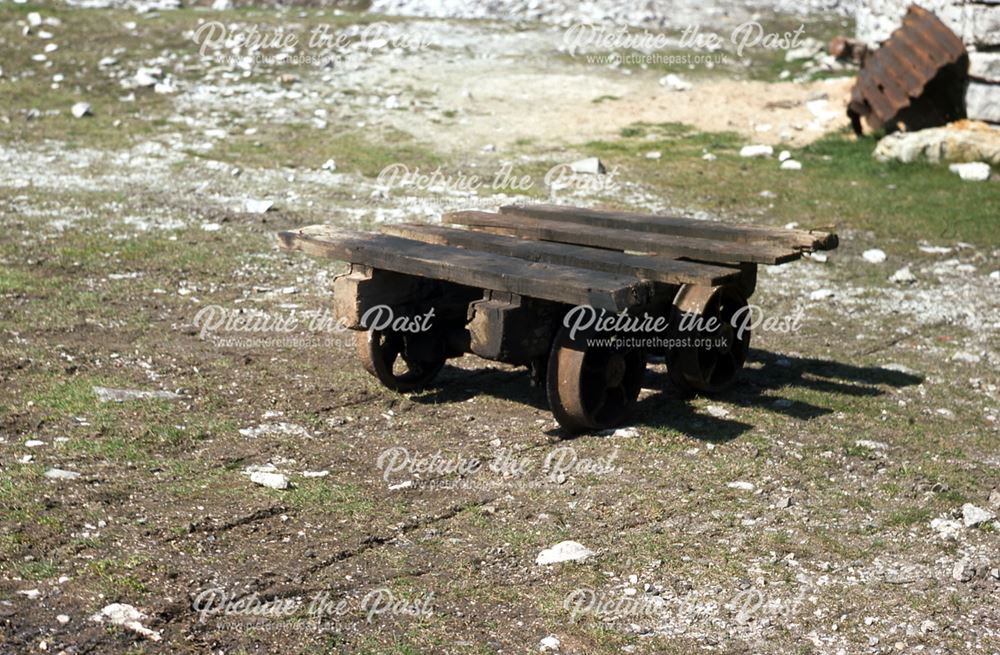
(521, 285)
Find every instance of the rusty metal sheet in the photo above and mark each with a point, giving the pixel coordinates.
(915, 78)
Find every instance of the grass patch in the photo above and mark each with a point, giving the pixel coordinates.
(36, 570)
(841, 185)
(117, 578)
(317, 495)
(302, 145)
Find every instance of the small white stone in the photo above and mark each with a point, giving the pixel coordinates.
(975, 171)
(821, 294)
(33, 443)
(783, 155)
(108, 395)
(964, 570)
(549, 643)
(968, 358)
(756, 151)
(564, 551)
(973, 516)
(34, 19)
(329, 165)
(315, 474)
(717, 411)
(270, 480)
(590, 165)
(146, 77)
(126, 616)
(871, 445)
(654, 154)
(31, 594)
(709, 157)
(675, 83)
(211, 227)
(741, 485)
(903, 276)
(257, 206)
(81, 109)
(874, 256)
(946, 528)
(62, 618)
(791, 165)
(60, 474)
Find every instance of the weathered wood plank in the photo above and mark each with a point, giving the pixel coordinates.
(706, 250)
(802, 239)
(646, 267)
(484, 270)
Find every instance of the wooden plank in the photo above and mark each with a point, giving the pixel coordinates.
(705, 250)
(689, 227)
(646, 267)
(563, 284)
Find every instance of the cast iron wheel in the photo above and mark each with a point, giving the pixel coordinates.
(400, 362)
(708, 369)
(592, 388)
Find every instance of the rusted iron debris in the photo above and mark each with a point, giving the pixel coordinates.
(917, 78)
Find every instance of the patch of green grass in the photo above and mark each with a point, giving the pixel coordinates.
(302, 145)
(319, 495)
(15, 281)
(36, 570)
(20, 490)
(840, 185)
(68, 397)
(904, 518)
(117, 578)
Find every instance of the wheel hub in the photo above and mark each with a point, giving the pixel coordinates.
(725, 335)
(615, 372)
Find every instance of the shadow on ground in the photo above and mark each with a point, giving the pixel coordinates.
(756, 387)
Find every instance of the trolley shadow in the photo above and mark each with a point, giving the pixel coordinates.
(759, 387)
